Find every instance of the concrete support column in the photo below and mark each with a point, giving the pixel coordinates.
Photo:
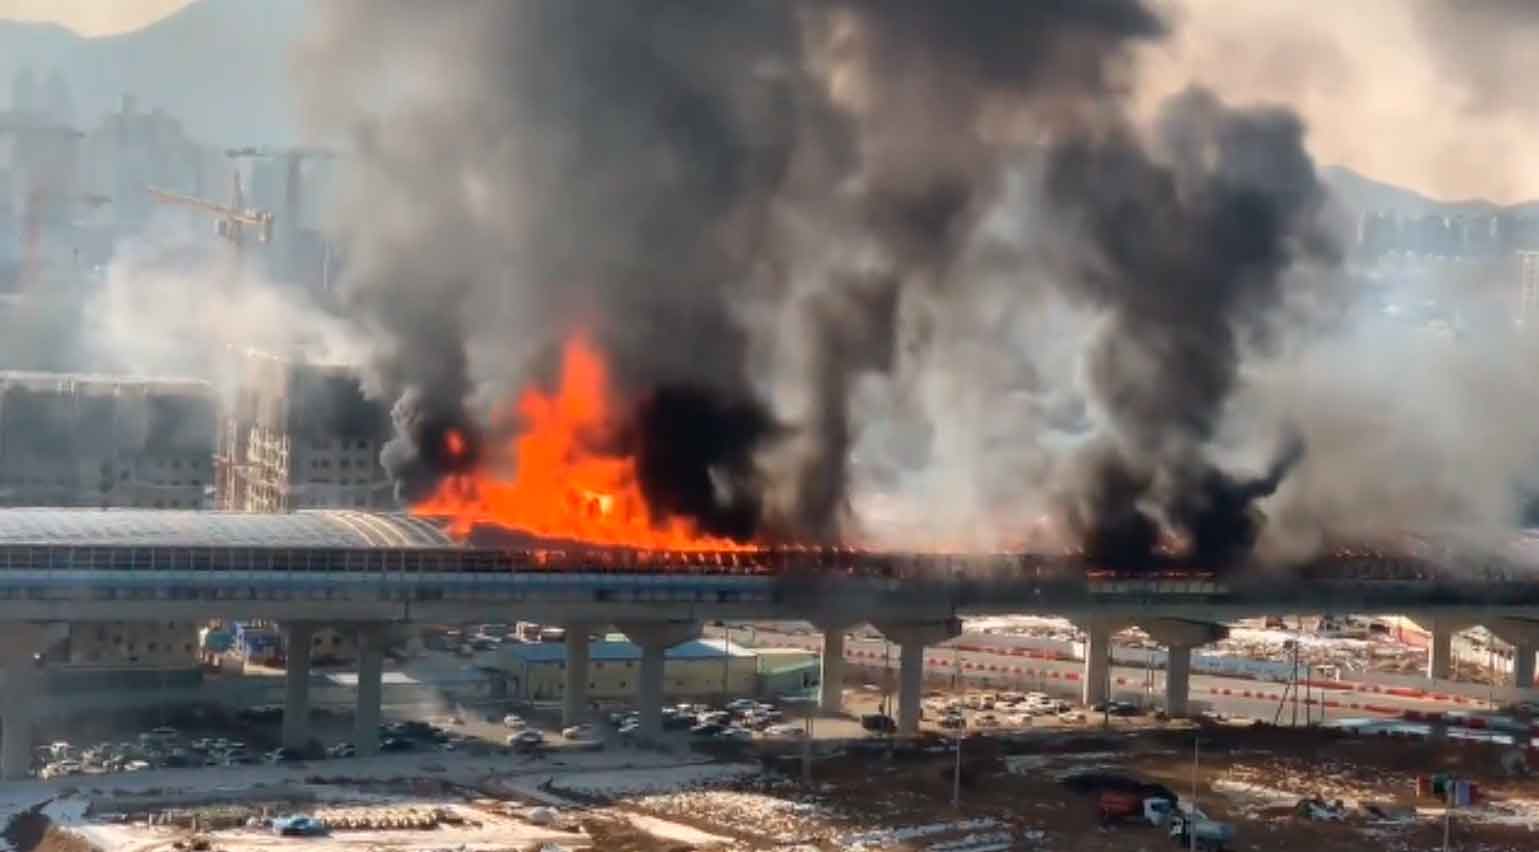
(1179, 637)
(910, 687)
(912, 639)
(574, 697)
(23, 694)
(371, 667)
(1523, 635)
(1440, 629)
(296, 705)
(1178, 679)
(1523, 666)
(17, 712)
(831, 680)
(1096, 679)
(655, 638)
(1440, 655)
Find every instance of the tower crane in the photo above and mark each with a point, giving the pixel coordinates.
(234, 219)
(293, 188)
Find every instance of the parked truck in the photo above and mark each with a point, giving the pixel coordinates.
(1120, 806)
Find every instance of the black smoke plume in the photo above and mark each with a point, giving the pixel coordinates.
(1191, 234)
(742, 203)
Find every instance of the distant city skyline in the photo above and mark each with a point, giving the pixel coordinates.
(1420, 93)
(92, 18)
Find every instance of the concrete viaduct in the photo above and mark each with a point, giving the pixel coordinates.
(372, 571)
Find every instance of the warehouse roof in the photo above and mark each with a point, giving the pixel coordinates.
(606, 652)
(162, 528)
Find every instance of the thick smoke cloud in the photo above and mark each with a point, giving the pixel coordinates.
(1191, 235)
(750, 203)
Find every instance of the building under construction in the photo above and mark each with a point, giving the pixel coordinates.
(300, 435)
(69, 439)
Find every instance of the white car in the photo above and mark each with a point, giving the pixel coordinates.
(513, 720)
(791, 731)
(578, 732)
(526, 739)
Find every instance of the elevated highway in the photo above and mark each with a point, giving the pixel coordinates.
(372, 571)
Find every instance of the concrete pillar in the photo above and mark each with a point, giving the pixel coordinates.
(910, 687)
(371, 667)
(17, 713)
(1178, 678)
(1180, 636)
(1523, 635)
(912, 639)
(296, 705)
(654, 639)
(1096, 679)
(1440, 628)
(23, 693)
(574, 697)
(1440, 655)
(831, 680)
(650, 692)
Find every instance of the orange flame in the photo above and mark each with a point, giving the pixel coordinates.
(454, 442)
(563, 488)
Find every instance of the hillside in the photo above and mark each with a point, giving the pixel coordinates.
(1360, 194)
(218, 65)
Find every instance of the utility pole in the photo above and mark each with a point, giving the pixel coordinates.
(956, 774)
(726, 659)
(886, 677)
(1191, 817)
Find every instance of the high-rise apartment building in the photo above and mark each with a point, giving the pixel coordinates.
(71, 439)
(301, 435)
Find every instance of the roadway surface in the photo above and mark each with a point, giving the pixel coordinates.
(1003, 670)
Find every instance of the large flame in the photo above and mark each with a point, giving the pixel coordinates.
(560, 486)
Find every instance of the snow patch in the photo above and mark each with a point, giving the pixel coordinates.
(631, 782)
(890, 837)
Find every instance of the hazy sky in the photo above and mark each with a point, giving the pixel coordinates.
(92, 17)
(1429, 94)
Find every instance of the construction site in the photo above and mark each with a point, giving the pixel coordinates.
(1262, 788)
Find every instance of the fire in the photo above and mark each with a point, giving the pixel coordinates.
(561, 487)
(454, 442)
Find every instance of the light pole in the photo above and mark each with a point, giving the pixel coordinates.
(887, 678)
(1191, 817)
(956, 773)
(726, 659)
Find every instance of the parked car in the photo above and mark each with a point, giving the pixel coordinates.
(526, 740)
(283, 755)
(788, 731)
(342, 750)
(513, 720)
(298, 826)
(707, 729)
(578, 732)
(953, 721)
(391, 744)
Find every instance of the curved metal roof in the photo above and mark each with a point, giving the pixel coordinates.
(171, 528)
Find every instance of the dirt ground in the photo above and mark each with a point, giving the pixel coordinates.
(866, 794)
(1298, 762)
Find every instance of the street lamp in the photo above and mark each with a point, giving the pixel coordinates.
(956, 773)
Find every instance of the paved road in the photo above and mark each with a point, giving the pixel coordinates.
(1061, 678)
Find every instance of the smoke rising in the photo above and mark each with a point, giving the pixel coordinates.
(1189, 239)
(899, 271)
(653, 174)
